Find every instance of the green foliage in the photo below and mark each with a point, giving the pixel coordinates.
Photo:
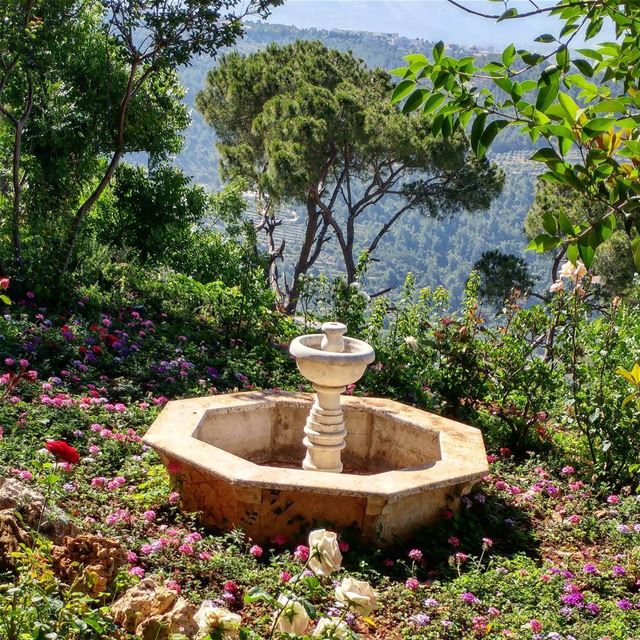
(150, 213)
(501, 273)
(310, 125)
(600, 124)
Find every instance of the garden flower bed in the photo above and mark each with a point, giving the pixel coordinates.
(537, 552)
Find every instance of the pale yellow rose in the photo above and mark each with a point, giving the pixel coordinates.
(333, 628)
(325, 556)
(292, 617)
(210, 618)
(357, 595)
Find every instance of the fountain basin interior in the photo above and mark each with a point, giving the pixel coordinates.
(238, 459)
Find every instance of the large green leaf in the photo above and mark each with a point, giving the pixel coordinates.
(402, 90)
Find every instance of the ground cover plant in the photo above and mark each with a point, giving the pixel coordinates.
(546, 547)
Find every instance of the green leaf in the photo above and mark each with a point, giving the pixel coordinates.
(572, 252)
(596, 126)
(257, 594)
(587, 246)
(546, 95)
(584, 67)
(543, 242)
(549, 223)
(546, 38)
(546, 154)
(569, 105)
(433, 102)
(594, 28)
(5, 299)
(508, 55)
(415, 100)
(489, 134)
(416, 57)
(438, 50)
(635, 250)
(399, 71)
(629, 398)
(565, 225)
(476, 132)
(509, 13)
(590, 53)
(402, 90)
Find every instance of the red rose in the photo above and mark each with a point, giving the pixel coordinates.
(62, 451)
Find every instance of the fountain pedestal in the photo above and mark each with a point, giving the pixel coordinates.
(325, 431)
(330, 362)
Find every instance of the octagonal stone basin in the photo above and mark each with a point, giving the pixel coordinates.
(237, 462)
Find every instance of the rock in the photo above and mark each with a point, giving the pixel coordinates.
(30, 504)
(12, 535)
(146, 600)
(179, 619)
(88, 561)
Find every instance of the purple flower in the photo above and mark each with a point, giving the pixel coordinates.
(624, 604)
(420, 619)
(617, 570)
(590, 568)
(469, 598)
(593, 607)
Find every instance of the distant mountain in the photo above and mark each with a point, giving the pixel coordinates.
(427, 19)
(436, 252)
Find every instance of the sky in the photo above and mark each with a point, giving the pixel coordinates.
(428, 19)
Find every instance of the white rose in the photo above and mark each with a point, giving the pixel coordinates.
(411, 342)
(325, 556)
(333, 628)
(292, 617)
(210, 618)
(357, 595)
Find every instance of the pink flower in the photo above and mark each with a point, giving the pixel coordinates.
(186, 549)
(23, 474)
(94, 449)
(613, 499)
(149, 515)
(285, 576)
(487, 543)
(132, 557)
(344, 546)
(412, 584)
(174, 497)
(279, 540)
(98, 481)
(137, 571)
(231, 587)
(301, 553)
(174, 467)
(415, 555)
(453, 541)
(173, 585)
(568, 470)
(205, 555)
(535, 625)
(256, 551)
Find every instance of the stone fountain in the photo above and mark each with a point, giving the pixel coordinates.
(377, 465)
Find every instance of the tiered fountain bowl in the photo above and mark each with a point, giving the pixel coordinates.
(276, 463)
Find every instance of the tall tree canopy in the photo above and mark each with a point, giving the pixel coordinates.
(82, 83)
(311, 125)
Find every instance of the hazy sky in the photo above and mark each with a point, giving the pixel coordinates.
(428, 19)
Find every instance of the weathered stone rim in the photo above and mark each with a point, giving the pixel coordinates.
(463, 456)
